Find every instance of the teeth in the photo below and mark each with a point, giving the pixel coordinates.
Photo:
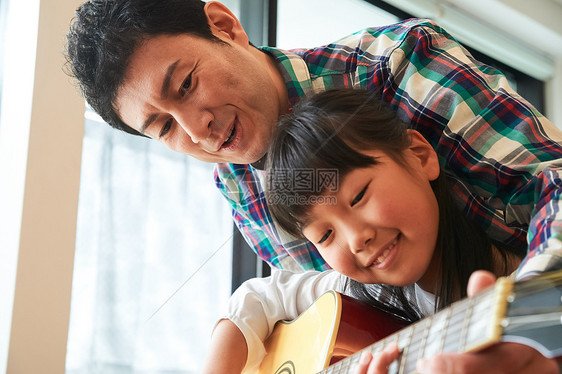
(382, 257)
(230, 136)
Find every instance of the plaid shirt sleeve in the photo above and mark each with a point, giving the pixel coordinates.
(241, 185)
(538, 203)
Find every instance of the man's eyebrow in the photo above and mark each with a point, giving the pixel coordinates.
(147, 123)
(163, 93)
(168, 79)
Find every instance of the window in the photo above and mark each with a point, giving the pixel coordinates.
(153, 253)
(154, 256)
(299, 21)
(3, 21)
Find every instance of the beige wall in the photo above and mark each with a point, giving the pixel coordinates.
(41, 302)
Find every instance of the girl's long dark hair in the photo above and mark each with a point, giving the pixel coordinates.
(328, 132)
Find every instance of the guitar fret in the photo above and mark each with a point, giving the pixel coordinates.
(415, 344)
(479, 326)
(444, 331)
(345, 365)
(424, 338)
(435, 335)
(455, 325)
(354, 362)
(336, 368)
(466, 324)
(378, 347)
(405, 347)
(393, 368)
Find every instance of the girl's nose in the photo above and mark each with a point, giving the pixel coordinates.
(360, 238)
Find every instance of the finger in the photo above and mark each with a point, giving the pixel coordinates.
(541, 365)
(442, 364)
(364, 361)
(519, 358)
(479, 281)
(382, 361)
(500, 358)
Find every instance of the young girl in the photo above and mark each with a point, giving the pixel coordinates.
(345, 173)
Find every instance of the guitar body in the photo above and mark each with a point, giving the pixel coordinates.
(334, 327)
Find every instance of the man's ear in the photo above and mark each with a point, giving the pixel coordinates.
(224, 24)
(425, 154)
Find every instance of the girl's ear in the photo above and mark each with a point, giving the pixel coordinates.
(424, 154)
(224, 23)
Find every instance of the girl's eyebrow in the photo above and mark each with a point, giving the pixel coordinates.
(305, 222)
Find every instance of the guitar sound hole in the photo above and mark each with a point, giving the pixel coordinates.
(288, 367)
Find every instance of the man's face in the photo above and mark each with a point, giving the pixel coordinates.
(214, 101)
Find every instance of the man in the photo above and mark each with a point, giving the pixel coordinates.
(184, 73)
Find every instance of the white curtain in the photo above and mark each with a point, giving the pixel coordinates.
(153, 258)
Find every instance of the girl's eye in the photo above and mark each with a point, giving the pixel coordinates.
(359, 196)
(185, 85)
(325, 237)
(166, 128)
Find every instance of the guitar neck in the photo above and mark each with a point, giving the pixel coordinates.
(474, 323)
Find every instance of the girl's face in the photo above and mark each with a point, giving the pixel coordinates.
(382, 226)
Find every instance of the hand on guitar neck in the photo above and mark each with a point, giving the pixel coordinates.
(499, 358)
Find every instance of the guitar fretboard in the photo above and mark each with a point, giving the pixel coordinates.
(466, 325)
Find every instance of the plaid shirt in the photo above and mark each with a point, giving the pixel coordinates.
(502, 154)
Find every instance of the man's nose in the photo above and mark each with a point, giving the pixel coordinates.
(195, 122)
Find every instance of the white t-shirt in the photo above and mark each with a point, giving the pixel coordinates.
(424, 300)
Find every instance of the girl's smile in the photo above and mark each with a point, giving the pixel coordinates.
(385, 256)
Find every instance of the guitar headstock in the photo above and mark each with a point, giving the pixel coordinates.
(534, 314)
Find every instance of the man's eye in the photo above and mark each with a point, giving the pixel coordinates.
(185, 85)
(325, 237)
(359, 196)
(167, 126)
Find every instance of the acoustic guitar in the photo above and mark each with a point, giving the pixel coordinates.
(330, 336)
